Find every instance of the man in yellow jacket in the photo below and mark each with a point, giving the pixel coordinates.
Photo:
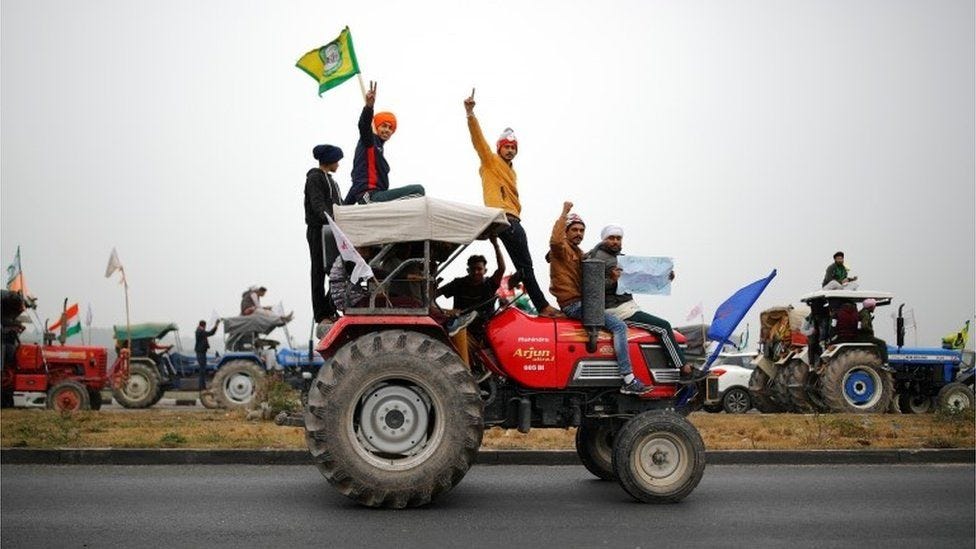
(500, 188)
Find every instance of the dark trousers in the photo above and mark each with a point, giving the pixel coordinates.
(662, 329)
(517, 246)
(322, 306)
(202, 364)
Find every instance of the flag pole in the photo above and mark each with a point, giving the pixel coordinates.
(362, 87)
(128, 324)
(704, 334)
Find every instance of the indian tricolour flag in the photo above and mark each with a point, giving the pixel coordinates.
(70, 320)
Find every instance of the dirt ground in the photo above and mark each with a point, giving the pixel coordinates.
(174, 428)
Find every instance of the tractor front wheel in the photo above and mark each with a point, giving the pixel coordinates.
(68, 396)
(394, 419)
(594, 446)
(916, 403)
(658, 457)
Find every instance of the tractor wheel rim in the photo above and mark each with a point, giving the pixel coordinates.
(239, 388)
(394, 420)
(661, 459)
(957, 400)
(67, 400)
(137, 387)
(920, 404)
(862, 387)
(395, 424)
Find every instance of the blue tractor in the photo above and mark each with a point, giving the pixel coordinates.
(250, 357)
(927, 378)
(233, 377)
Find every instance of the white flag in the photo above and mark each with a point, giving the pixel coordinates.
(214, 317)
(279, 309)
(696, 311)
(113, 264)
(362, 270)
(88, 316)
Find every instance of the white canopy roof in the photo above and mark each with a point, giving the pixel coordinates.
(857, 295)
(411, 219)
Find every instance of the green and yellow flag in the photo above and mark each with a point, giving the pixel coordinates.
(333, 63)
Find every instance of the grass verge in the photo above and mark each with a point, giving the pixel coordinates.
(216, 429)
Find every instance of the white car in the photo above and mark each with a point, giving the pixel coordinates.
(731, 372)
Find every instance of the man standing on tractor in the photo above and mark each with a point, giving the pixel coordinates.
(624, 307)
(500, 189)
(321, 195)
(370, 171)
(866, 331)
(566, 283)
(476, 290)
(201, 346)
(838, 277)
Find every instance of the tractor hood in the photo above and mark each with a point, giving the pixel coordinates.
(416, 219)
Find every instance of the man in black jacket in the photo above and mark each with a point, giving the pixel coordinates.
(201, 347)
(321, 195)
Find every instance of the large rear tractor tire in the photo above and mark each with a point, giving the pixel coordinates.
(68, 396)
(142, 387)
(394, 419)
(780, 389)
(658, 457)
(915, 403)
(855, 383)
(759, 391)
(955, 396)
(797, 377)
(236, 384)
(594, 446)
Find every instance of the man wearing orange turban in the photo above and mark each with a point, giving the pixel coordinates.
(370, 171)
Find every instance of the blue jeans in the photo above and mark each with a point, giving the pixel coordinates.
(619, 330)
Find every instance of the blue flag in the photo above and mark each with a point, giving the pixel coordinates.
(730, 313)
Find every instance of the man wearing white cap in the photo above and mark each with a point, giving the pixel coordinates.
(625, 308)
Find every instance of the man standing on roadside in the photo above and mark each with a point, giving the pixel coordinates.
(566, 283)
(201, 347)
(500, 188)
(321, 195)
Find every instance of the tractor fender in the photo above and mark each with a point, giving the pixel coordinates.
(352, 326)
(252, 357)
(800, 354)
(832, 350)
(767, 366)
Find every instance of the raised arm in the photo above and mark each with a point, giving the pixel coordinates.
(558, 238)
(366, 118)
(477, 137)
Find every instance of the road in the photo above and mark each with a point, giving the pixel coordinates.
(500, 506)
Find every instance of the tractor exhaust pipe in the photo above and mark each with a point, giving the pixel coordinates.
(900, 328)
(594, 286)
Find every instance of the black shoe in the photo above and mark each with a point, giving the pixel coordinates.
(460, 323)
(635, 387)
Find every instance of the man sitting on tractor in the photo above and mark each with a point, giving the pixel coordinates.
(476, 291)
(866, 331)
(838, 276)
(624, 307)
(566, 283)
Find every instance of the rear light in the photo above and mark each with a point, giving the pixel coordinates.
(716, 371)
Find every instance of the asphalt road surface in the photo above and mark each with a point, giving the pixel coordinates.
(500, 507)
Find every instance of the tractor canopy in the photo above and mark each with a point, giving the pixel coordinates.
(418, 219)
(820, 296)
(147, 330)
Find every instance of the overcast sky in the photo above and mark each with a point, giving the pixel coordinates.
(735, 136)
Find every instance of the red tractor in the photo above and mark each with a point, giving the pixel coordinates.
(60, 377)
(395, 416)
